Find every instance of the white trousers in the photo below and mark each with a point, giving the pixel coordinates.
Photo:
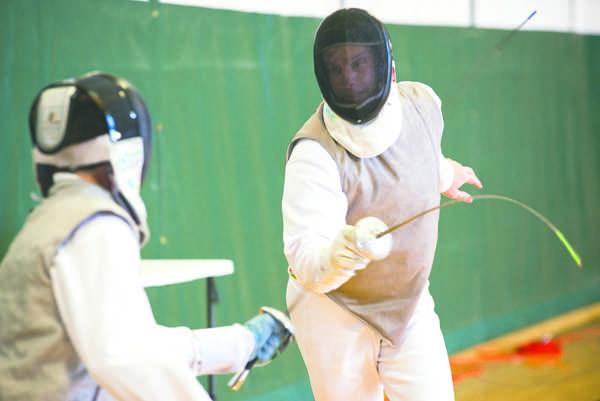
(346, 360)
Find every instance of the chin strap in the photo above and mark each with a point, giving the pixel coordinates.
(547, 222)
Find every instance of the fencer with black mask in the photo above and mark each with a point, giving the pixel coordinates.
(370, 155)
(75, 322)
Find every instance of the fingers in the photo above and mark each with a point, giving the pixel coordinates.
(459, 195)
(465, 197)
(471, 177)
(462, 175)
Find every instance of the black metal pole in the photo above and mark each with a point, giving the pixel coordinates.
(212, 297)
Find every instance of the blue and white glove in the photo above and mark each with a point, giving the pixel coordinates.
(272, 332)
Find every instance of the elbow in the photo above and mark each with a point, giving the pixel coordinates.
(107, 370)
(118, 369)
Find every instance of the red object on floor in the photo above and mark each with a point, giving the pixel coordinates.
(539, 348)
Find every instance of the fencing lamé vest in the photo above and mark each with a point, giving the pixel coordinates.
(394, 186)
(37, 359)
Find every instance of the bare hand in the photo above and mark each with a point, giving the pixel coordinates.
(462, 175)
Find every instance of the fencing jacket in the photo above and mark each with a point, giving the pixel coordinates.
(72, 306)
(397, 184)
(37, 358)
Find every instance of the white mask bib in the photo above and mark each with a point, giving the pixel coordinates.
(371, 138)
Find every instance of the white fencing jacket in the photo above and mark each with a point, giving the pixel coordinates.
(108, 317)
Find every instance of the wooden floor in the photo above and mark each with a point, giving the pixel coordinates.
(557, 360)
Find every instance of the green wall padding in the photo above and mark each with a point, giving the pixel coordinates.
(228, 90)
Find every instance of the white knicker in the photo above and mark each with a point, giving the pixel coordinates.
(346, 360)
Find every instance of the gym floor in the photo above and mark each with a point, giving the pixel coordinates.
(556, 360)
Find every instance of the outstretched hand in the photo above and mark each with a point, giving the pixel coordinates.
(462, 175)
(272, 332)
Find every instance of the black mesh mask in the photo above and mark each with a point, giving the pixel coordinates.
(353, 64)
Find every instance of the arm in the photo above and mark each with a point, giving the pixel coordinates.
(321, 249)
(313, 207)
(109, 319)
(452, 174)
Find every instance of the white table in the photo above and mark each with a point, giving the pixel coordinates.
(158, 272)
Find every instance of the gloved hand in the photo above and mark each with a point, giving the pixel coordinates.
(272, 332)
(352, 249)
(366, 243)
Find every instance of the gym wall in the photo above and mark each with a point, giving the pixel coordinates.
(228, 90)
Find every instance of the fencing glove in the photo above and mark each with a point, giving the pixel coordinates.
(352, 249)
(272, 332)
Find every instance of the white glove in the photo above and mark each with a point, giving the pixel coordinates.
(352, 249)
(366, 243)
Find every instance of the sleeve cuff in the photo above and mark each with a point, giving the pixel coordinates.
(446, 174)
